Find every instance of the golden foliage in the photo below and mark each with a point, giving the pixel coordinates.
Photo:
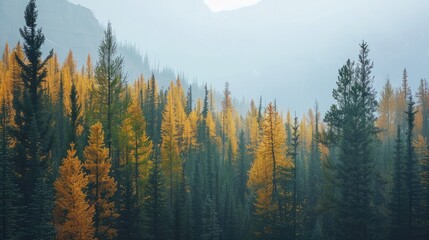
(73, 216)
(101, 185)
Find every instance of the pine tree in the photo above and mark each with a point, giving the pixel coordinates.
(243, 167)
(75, 115)
(73, 215)
(8, 189)
(135, 171)
(102, 186)
(294, 153)
(32, 131)
(156, 222)
(315, 176)
(210, 225)
(39, 224)
(411, 177)
(352, 122)
(397, 201)
(189, 100)
(110, 84)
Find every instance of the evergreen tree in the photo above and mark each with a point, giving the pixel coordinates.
(189, 100)
(75, 115)
(294, 154)
(397, 201)
(411, 177)
(352, 122)
(9, 192)
(32, 131)
(243, 167)
(110, 84)
(156, 222)
(210, 225)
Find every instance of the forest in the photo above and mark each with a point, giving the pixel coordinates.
(87, 154)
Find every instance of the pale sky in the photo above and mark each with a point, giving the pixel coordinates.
(283, 49)
(226, 5)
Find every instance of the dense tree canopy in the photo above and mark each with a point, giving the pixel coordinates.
(86, 155)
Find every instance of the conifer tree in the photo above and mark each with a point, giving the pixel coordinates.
(32, 131)
(102, 186)
(294, 154)
(411, 177)
(211, 229)
(75, 115)
(73, 215)
(171, 162)
(9, 192)
(264, 174)
(397, 206)
(352, 122)
(110, 84)
(157, 222)
(189, 100)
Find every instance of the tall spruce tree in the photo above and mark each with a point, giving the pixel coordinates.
(9, 191)
(411, 177)
(397, 206)
(156, 221)
(110, 84)
(352, 122)
(32, 131)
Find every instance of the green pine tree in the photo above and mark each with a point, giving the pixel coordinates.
(156, 222)
(352, 122)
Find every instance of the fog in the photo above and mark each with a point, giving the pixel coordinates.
(282, 49)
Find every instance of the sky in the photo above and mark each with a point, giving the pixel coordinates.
(278, 49)
(228, 5)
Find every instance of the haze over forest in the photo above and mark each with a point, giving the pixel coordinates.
(278, 49)
(135, 131)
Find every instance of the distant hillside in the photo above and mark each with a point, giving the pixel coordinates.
(68, 26)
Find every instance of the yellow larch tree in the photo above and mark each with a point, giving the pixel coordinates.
(73, 215)
(102, 186)
(229, 130)
(13, 81)
(386, 113)
(179, 101)
(171, 163)
(139, 145)
(69, 75)
(266, 171)
(253, 130)
(191, 130)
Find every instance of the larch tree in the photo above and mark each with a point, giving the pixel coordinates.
(102, 186)
(386, 120)
(135, 167)
(264, 175)
(73, 215)
(171, 162)
(229, 130)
